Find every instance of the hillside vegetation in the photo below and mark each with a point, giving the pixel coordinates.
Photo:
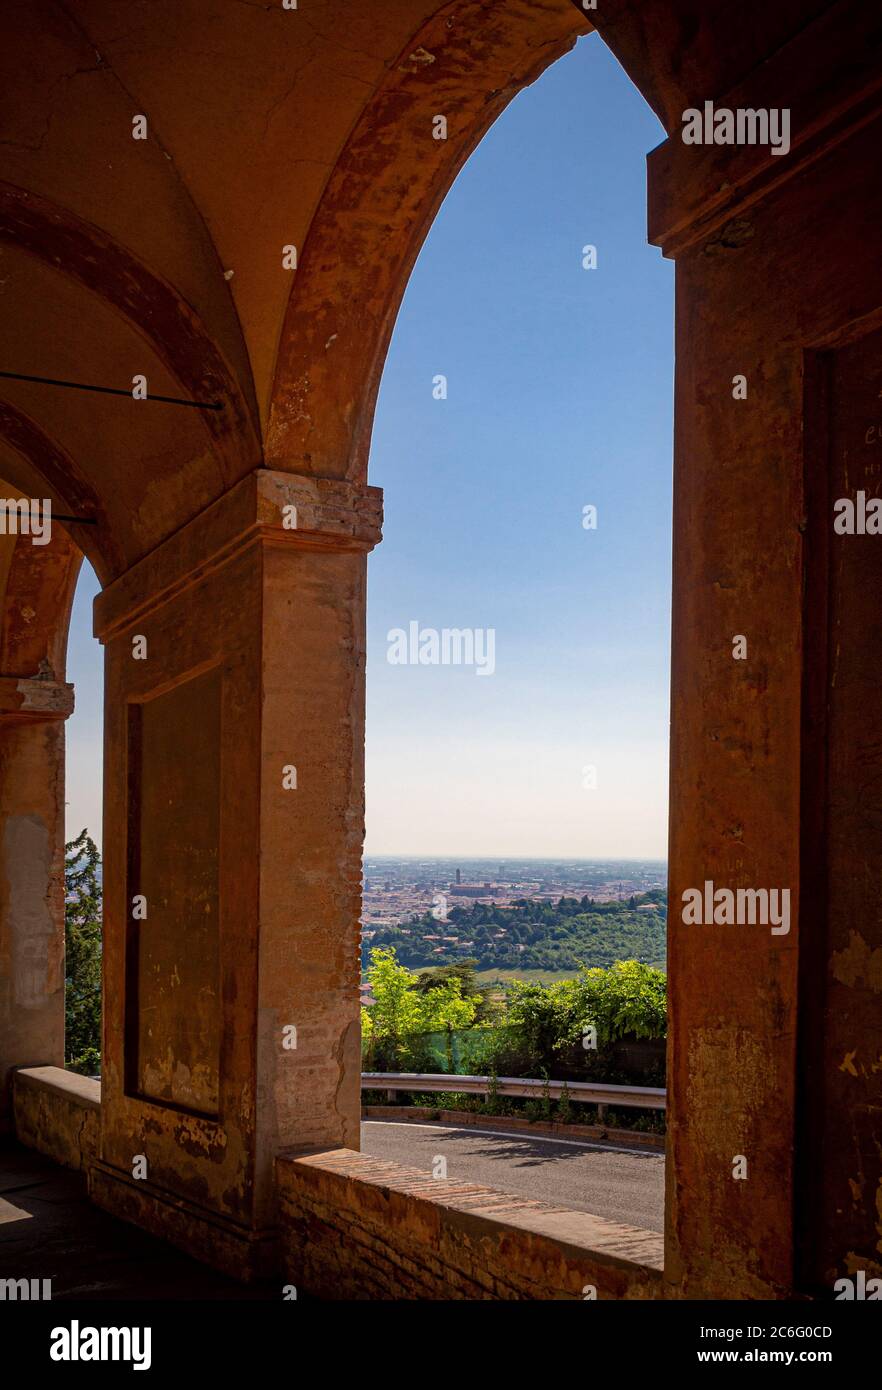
(530, 935)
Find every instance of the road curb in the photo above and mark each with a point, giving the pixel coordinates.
(653, 1143)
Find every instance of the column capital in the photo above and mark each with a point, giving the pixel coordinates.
(26, 700)
(269, 507)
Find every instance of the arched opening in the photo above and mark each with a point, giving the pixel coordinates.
(517, 772)
(84, 835)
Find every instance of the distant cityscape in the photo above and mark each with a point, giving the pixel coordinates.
(397, 890)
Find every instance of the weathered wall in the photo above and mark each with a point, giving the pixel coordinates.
(839, 1142)
(30, 764)
(231, 1002)
(771, 275)
(31, 897)
(35, 597)
(354, 1227)
(58, 1113)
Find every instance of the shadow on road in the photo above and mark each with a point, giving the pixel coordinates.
(526, 1151)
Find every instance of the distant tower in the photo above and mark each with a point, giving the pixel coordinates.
(459, 875)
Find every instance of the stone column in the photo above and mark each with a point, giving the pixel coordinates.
(233, 828)
(774, 1087)
(32, 715)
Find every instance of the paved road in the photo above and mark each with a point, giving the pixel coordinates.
(622, 1185)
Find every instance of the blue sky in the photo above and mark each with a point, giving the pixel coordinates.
(559, 396)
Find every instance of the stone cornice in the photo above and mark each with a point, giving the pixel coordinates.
(268, 507)
(829, 77)
(30, 699)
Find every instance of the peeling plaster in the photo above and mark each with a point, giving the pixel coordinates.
(858, 964)
(27, 860)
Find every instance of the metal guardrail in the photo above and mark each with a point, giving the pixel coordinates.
(595, 1092)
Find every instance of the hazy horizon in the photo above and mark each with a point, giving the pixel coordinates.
(513, 859)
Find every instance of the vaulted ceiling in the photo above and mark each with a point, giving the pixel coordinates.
(266, 128)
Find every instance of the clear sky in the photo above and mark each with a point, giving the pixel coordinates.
(559, 397)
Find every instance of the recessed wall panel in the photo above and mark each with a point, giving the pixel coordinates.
(841, 922)
(173, 1008)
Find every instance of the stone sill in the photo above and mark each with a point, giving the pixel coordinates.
(58, 1113)
(354, 1227)
(67, 1085)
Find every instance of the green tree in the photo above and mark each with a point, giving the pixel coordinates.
(435, 976)
(543, 1021)
(487, 1006)
(402, 1011)
(397, 1008)
(82, 959)
(628, 998)
(444, 1007)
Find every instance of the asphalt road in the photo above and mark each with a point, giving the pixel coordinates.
(620, 1184)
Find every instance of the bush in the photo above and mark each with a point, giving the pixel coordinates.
(541, 1034)
(564, 1108)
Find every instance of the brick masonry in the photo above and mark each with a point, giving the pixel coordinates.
(354, 1227)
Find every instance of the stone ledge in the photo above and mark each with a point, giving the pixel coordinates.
(354, 1227)
(331, 515)
(58, 1113)
(827, 76)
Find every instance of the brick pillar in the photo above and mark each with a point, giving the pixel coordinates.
(32, 715)
(234, 735)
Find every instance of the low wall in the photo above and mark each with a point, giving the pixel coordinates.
(59, 1113)
(355, 1227)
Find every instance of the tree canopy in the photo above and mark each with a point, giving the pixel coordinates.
(82, 958)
